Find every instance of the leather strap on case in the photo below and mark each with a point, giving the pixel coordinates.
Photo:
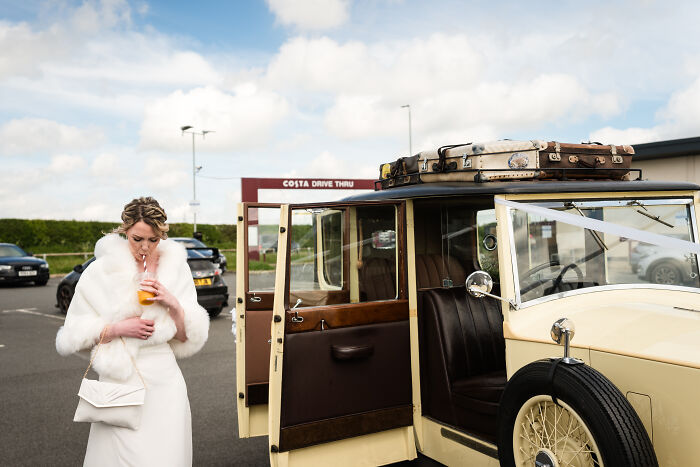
(92, 359)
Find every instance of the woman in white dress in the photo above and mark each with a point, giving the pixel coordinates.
(140, 338)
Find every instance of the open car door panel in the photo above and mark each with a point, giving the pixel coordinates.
(340, 370)
(256, 244)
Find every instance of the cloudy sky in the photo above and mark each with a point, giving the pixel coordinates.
(93, 93)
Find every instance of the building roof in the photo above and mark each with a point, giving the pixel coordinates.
(423, 190)
(666, 149)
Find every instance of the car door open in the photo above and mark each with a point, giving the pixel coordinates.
(340, 367)
(255, 285)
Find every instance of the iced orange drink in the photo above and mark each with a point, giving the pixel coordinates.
(143, 295)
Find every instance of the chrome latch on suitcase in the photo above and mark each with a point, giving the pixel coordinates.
(556, 155)
(466, 162)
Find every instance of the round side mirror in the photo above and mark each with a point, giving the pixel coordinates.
(490, 242)
(479, 283)
(560, 328)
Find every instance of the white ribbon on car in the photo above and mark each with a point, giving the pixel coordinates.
(607, 227)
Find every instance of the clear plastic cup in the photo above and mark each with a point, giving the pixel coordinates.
(143, 295)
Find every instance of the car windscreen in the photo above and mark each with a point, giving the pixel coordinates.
(190, 242)
(199, 253)
(11, 250)
(564, 246)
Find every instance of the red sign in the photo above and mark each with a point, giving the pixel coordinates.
(250, 186)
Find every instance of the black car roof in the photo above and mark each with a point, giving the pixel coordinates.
(423, 190)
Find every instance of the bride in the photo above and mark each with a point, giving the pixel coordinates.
(141, 337)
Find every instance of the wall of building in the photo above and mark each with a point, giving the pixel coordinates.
(679, 169)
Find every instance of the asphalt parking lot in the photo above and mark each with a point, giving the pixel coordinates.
(38, 387)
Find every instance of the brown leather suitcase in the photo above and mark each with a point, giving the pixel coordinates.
(588, 160)
(510, 160)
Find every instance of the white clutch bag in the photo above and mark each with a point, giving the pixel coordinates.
(111, 403)
(114, 404)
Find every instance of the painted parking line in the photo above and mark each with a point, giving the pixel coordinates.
(32, 311)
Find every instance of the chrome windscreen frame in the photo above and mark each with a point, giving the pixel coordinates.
(519, 304)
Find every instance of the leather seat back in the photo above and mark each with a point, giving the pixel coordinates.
(377, 279)
(432, 269)
(471, 331)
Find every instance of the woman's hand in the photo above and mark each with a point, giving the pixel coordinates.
(168, 300)
(130, 327)
(162, 294)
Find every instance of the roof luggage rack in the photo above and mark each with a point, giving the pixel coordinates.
(479, 177)
(510, 160)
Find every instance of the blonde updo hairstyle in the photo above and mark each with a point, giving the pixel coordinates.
(144, 209)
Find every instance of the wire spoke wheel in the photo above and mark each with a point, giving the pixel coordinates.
(592, 424)
(555, 432)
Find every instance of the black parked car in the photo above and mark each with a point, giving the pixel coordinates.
(66, 288)
(189, 242)
(16, 265)
(212, 292)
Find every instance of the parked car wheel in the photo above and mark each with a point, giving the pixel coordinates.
(665, 273)
(591, 424)
(41, 282)
(64, 296)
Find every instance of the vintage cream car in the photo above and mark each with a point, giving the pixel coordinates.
(366, 347)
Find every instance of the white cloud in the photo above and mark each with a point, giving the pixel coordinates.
(683, 109)
(443, 77)
(400, 70)
(677, 119)
(105, 165)
(96, 211)
(327, 165)
(94, 16)
(27, 51)
(610, 135)
(241, 120)
(162, 173)
(310, 14)
(66, 164)
(31, 135)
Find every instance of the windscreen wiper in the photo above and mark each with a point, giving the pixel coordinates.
(648, 214)
(599, 241)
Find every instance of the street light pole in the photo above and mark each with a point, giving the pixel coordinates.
(194, 203)
(194, 188)
(410, 145)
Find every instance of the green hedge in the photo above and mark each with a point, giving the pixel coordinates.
(50, 236)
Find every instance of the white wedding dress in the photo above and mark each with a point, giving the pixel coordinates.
(164, 437)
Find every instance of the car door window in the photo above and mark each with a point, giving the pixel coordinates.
(343, 255)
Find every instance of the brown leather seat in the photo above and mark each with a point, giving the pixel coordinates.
(462, 359)
(432, 269)
(377, 279)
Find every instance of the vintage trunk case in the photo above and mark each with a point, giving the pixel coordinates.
(510, 160)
